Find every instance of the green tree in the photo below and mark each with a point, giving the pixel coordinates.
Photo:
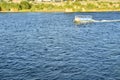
(15, 6)
(91, 6)
(0, 8)
(1, 0)
(25, 5)
(30, 0)
(5, 6)
(37, 7)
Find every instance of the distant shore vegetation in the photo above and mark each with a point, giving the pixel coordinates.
(65, 6)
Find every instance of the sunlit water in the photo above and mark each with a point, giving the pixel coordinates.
(49, 46)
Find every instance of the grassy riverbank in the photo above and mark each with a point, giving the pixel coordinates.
(68, 6)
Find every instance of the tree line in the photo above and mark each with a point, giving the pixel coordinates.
(74, 6)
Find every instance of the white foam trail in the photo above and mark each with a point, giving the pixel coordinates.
(106, 21)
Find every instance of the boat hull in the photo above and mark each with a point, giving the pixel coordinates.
(82, 22)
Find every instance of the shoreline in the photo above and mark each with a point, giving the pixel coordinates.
(51, 11)
(66, 7)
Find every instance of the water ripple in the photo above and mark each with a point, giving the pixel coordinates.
(49, 46)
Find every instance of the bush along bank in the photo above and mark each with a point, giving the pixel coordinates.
(69, 6)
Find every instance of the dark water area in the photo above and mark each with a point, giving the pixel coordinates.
(49, 46)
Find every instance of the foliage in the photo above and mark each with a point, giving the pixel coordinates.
(15, 6)
(25, 5)
(91, 6)
(5, 6)
(37, 7)
(0, 8)
(68, 5)
(78, 5)
(8, 6)
(1, 0)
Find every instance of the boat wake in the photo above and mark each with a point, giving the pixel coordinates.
(106, 20)
(82, 19)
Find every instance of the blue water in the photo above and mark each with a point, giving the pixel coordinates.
(49, 46)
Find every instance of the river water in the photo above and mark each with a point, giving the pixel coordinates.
(49, 46)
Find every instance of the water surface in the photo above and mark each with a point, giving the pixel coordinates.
(49, 46)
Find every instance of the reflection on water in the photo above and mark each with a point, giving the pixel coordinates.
(49, 46)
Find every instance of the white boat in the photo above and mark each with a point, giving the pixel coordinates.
(83, 19)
